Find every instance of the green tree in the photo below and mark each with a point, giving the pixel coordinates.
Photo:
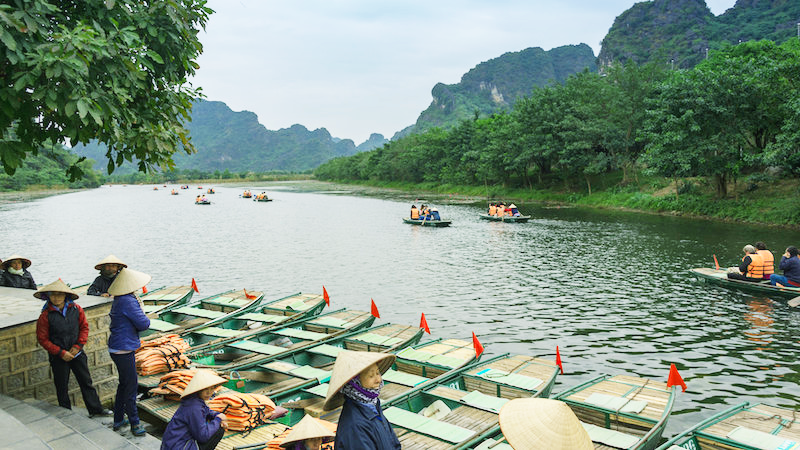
(111, 70)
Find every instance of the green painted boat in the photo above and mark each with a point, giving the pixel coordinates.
(262, 199)
(510, 219)
(744, 426)
(166, 298)
(622, 411)
(414, 367)
(720, 278)
(461, 410)
(302, 368)
(206, 311)
(427, 223)
(207, 202)
(275, 343)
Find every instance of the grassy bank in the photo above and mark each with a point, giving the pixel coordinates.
(772, 202)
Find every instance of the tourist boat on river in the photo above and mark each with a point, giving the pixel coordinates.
(510, 219)
(202, 202)
(414, 367)
(744, 426)
(210, 191)
(427, 223)
(461, 410)
(720, 278)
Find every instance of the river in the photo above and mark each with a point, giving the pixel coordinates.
(610, 288)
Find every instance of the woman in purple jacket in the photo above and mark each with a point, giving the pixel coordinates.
(194, 425)
(127, 320)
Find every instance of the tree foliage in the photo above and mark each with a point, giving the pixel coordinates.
(109, 70)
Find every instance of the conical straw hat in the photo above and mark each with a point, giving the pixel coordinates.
(127, 281)
(349, 364)
(533, 423)
(110, 259)
(56, 286)
(307, 428)
(202, 379)
(25, 261)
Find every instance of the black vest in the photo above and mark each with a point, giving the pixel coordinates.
(64, 330)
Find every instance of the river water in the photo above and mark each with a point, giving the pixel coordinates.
(611, 289)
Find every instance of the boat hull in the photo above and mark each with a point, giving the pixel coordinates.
(509, 219)
(428, 223)
(720, 278)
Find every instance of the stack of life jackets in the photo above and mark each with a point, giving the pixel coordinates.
(244, 411)
(171, 385)
(161, 355)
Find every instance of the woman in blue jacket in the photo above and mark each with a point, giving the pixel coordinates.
(127, 320)
(356, 381)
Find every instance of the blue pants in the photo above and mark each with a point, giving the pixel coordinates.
(125, 401)
(775, 278)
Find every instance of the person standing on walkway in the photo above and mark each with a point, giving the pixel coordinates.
(62, 330)
(16, 273)
(127, 320)
(109, 267)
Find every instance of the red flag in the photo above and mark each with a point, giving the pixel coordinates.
(477, 344)
(424, 324)
(674, 378)
(325, 296)
(558, 361)
(144, 289)
(374, 309)
(249, 296)
(715, 262)
(194, 286)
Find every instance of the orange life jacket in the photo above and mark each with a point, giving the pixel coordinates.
(769, 262)
(500, 211)
(414, 213)
(492, 210)
(756, 267)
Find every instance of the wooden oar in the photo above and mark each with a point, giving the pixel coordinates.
(795, 302)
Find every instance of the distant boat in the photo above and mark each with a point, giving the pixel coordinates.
(202, 202)
(512, 219)
(210, 191)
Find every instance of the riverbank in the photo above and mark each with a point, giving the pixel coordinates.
(32, 194)
(774, 202)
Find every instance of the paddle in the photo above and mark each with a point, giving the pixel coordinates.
(795, 302)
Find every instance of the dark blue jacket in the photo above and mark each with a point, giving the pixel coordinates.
(100, 285)
(127, 320)
(790, 268)
(193, 421)
(362, 428)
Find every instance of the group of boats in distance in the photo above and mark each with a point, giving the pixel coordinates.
(203, 200)
(438, 393)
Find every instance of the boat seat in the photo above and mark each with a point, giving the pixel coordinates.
(760, 439)
(199, 312)
(372, 338)
(153, 296)
(329, 322)
(261, 317)
(612, 438)
(161, 325)
(326, 349)
(302, 334)
(420, 356)
(485, 402)
(257, 347)
(614, 403)
(421, 424)
(305, 372)
(299, 305)
(405, 379)
(218, 332)
(491, 444)
(511, 379)
(227, 301)
(151, 308)
(320, 390)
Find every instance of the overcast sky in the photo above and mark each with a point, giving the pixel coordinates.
(357, 67)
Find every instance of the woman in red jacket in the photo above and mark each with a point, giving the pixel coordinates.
(62, 330)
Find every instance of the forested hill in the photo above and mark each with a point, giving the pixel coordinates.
(496, 84)
(678, 32)
(236, 141)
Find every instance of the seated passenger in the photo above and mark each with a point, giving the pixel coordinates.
(752, 267)
(492, 208)
(414, 212)
(16, 273)
(501, 210)
(308, 434)
(790, 265)
(514, 210)
(769, 259)
(435, 214)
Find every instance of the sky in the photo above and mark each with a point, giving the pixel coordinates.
(357, 67)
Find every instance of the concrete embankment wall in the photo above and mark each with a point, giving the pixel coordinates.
(24, 367)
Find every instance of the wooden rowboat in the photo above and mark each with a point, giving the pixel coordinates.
(157, 299)
(428, 223)
(262, 199)
(622, 411)
(720, 278)
(207, 202)
(414, 367)
(511, 219)
(745, 426)
(462, 409)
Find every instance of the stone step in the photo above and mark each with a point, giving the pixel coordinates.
(38, 424)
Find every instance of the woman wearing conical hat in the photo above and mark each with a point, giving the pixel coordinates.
(308, 434)
(62, 330)
(356, 382)
(194, 425)
(537, 423)
(127, 320)
(16, 273)
(109, 267)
